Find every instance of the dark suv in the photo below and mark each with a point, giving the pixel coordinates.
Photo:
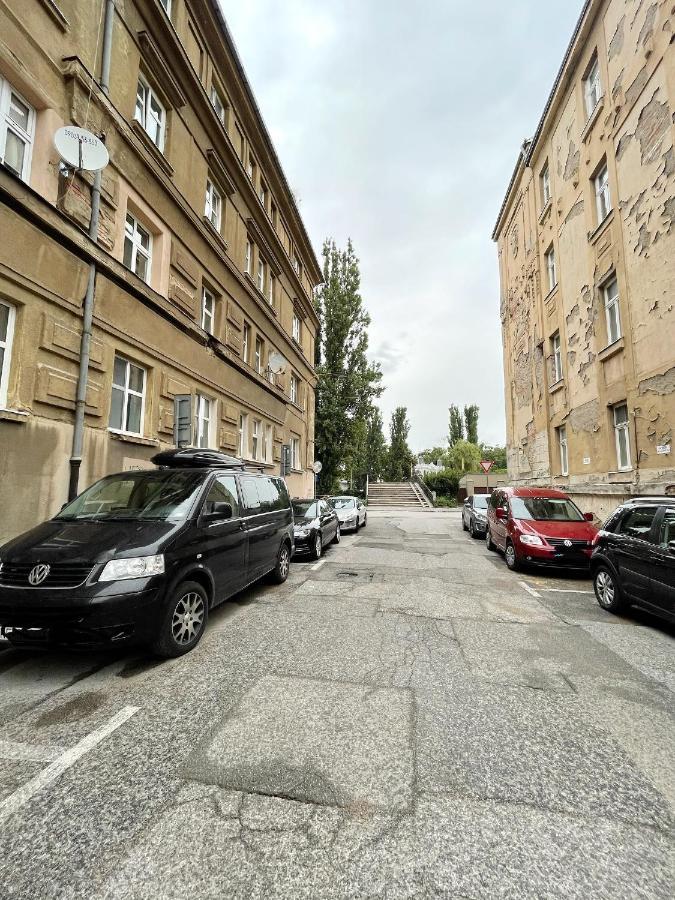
(142, 556)
(634, 557)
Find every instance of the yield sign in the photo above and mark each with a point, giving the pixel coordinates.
(486, 465)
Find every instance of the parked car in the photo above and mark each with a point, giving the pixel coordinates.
(316, 525)
(539, 527)
(633, 559)
(143, 556)
(351, 511)
(474, 514)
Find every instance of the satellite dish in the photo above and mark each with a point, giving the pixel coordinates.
(317, 466)
(80, 148)
(277, 363)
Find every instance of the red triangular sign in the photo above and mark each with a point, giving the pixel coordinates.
(486, 465)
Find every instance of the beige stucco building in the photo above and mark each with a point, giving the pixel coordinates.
(586, 239)
(203, 266)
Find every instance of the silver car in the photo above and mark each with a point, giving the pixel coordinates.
(474, 514)
(351, 512)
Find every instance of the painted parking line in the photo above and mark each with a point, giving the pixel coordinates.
(530, 590)
(67, 759)
(317, 565)
(565, 591)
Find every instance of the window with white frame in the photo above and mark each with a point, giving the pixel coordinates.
(243, 435)
(562, 444)
(250, 168)
(256, 440)
(270, 287)
(551, 269)
(297, 326)
(17, 130)
(603, 200)
(295, 388)
(7, 317)
(204, 421)
(248, 258)
(295, 453)
(263, 193)
(214, 204)
(137, 248)
(622, 437)
(592, 87)
(268, 443)
(557, 357)
(150, 113)
(297, 265)
(612, 315)
(246, 342)
(260, 280)
(258, 358)
(167, 6)
(208, 310)
(218, 103)
(545, 179)
(127, 404)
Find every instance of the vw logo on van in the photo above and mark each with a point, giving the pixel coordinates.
(568, 543)
(38, 574)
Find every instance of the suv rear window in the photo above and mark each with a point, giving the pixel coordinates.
(637, 522)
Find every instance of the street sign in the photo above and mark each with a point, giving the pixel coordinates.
(486, 465)
(80, 148)
(317, 466)
(663, 449)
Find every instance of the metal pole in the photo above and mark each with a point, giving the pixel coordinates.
(88, 306)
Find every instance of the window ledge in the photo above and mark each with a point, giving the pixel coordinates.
(56, 14)
(214, 231)
(594, 236)
(551, 294)
(133, 439)
(592, 119)
(611, 350)
(556, 386)
(14, 415)
(151, 147)
(546, 210)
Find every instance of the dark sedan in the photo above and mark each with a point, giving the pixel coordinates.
(316, 526)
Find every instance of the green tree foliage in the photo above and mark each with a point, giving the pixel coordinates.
(471, 423)
(464, 457)
(400, 457)
(434, 455)
(348, 384)
(445, 482)
(375, 450)
(496, 454)
(456, 426)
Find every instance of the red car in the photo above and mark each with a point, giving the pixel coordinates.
(539, 527)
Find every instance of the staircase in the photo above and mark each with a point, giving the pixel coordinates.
(396, 495)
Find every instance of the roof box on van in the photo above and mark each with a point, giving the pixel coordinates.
(196, 459)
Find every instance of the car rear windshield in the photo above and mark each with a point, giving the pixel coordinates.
(161, 494)
(305, 509)
(480, 501)
(545, 509)
(343, 502)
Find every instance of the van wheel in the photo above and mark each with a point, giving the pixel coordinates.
(184, 621)
(279, 573)
(607, 591)
(488, 540)
(336, 539)
(317, 546)
(511, 557)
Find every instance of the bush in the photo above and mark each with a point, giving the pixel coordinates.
(448, 502)
(445, 483)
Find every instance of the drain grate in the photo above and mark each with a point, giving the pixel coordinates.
(347, 575)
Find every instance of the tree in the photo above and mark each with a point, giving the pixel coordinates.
(400, 457)
(464, 457)
(375, 452)
(434, 455)
(496, 454)
(347, 383)
(456, 426)
(471, 423)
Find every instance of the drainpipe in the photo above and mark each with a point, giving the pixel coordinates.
(88, 306)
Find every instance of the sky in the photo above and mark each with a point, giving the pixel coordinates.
(398, 125)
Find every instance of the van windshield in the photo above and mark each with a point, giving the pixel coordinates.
(480, 501)
(155, 494)
(545, 509)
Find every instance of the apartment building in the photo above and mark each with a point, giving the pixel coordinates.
(586, 243)
(203, 265)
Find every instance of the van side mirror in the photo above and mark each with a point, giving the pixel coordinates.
(500, 512)
(220, 510)
(589, 517)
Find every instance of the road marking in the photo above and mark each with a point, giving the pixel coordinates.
(317, 565)
(17, 750)
(530, 590)
(20, 796)
(566, 591)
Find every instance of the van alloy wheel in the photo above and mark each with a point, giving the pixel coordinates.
(510, 556)
(284, 562)
(188, 618)
(183, 621)
(608, 591)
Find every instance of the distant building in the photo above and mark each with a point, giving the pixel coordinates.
(480, 483)
(586, 238)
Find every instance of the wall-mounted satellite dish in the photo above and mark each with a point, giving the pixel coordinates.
(277, 363)
(81, 149)
(317, 466)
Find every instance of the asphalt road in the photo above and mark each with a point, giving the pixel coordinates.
(405, 719)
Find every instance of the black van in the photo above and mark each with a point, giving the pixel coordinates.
(142, 556)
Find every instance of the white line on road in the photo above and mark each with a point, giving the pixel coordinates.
(530, 590)
(566, 591)
(20, 796)
(317, 565)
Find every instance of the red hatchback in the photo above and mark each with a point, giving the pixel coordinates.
(539, 527)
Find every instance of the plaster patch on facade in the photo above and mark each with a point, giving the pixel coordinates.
(573, 313)
(575, 211)
(652, 125)
(585, 417)
(648, 25)
(622, 146)
(659, 384)
(572, 163)
(616, 44)
(636, 87)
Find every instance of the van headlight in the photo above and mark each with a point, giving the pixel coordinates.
(532, 540)
(135, 567)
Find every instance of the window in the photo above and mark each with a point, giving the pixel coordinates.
(297, 265)
(243, 436)
(218, 103)
(213, 207)
(557, 357)
(562, 444)
(137, 248)
(296, 327)
(239, 141)
(260, 281)
(667, 533)
(258, 359)
(167, 6)
(150, 113)
(621, 435)
(270, 288)
(295, 453)
(545, 179)
(603, 201)
(223, 490)
(268, 443)
(208, 310)
(637, 522)
(248, 258)
(612, 314)
(246, 341)
(550, 268)
(249, 493)
(204, 420)
(250, 168)
(128, 397)
(294, 388)
(262, 193)
(7, 315)
(17, 129)
(257, 440)
(273, 214)
(592, 87)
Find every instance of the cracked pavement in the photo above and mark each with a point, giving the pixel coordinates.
(405, 720)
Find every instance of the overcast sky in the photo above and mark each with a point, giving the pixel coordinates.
(398, 125)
